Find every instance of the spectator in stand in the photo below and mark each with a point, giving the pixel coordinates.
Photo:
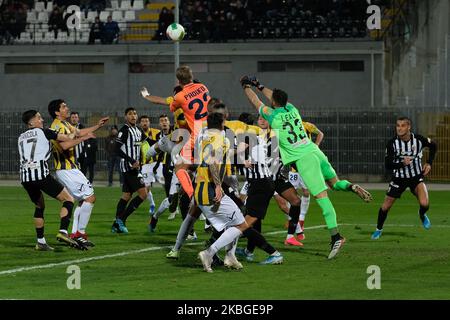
(97, 5)
(96, 31)
(113, 159)
(166, 18)
(199, 20)
(111, 31)
(56, 21)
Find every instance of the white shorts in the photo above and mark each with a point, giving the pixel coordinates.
(296, 180)
(147, 173)
(244, 189)
(228, 215)
(174, 185)
(76, 183)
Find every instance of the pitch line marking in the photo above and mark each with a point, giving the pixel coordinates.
(125, 253)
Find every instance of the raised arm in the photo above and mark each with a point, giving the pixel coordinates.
(251, 95)
(85, 131)
(266, 91)
(154, 99)
(73, 142)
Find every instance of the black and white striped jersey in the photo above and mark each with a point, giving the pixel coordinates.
(79, 148)
(128, 146)
(397, 150)
(273, 159)
(34, 151)
(257, 155)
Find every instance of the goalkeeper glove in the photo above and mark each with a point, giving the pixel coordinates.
(255, 83)
(245, 82)
(144, 92)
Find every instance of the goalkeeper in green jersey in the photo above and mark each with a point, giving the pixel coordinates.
(296, 148)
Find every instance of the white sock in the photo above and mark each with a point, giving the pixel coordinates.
(150, 198)
(304, 207)
(288, 217)
(226, 238)
(289, 236)
(41, 240)
(76, 216)
(85, 215)
(185, 227)
(231, 248)
(165, 204)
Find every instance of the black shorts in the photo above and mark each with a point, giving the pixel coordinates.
(49, 185)
(281, 185)
(260, 192)
(132, 181)
(167, 182)
(398, 185)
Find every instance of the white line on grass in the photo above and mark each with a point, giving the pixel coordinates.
(125, 253)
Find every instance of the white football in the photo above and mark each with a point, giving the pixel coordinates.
(175, 32)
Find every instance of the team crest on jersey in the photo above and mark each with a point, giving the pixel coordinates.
(119, 135)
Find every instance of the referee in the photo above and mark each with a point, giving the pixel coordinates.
(404, 159)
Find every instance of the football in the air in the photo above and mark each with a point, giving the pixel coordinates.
(175, 32)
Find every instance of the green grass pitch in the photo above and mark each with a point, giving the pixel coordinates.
(414, 263)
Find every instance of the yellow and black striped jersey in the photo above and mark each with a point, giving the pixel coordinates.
(178, 116)
(211, 142)
(310, 129)
(151, 133)
(63, 159)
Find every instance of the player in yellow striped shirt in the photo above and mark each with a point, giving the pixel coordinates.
(67, 170)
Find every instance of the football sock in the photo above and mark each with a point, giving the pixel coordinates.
(185, 227)
(422, 211)
(76, 216)
(184, 205)
(133, 205)
(294, 213)
(328, 213)
(40, 233)
(85, 215)
(65, 221)
(251, 245)
(150, 198)
(382, 215)
(41, 240)
(342, 185)
(121, 206)
(162, 207)
(304, 207)
(173, 199)
(226, 238)
(185, 181)
(259, 240)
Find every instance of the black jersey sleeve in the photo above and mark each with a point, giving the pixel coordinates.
(389, 157)
(50, 134)
(430, 144)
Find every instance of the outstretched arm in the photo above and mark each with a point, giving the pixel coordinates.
(266, 91)
(85, 131)
(251, 95)
(154, 99)
(65, 145)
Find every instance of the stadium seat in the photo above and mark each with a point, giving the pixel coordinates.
(25, 37)
(39, 6)
(130, 15)
(125, 5)
(31, 16)
(83, 37)
(38, 37)
(43, 17)
(104, 16)
(49, 7)
(91, 16)
(115, 4)
(117, 16)
(44, 27)
(62, 37)
(138, 5)
(49, 37)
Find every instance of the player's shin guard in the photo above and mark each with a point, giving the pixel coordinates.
(85, 215)
(65, 221)
(294, 213)
(342, 185)
(259, 240)
(150, 198)
(133, 205)
(227, 237)
(185, 227)
(328, 213)
(173, 199)
(184, 205)
(185, 181)
(251, 244)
